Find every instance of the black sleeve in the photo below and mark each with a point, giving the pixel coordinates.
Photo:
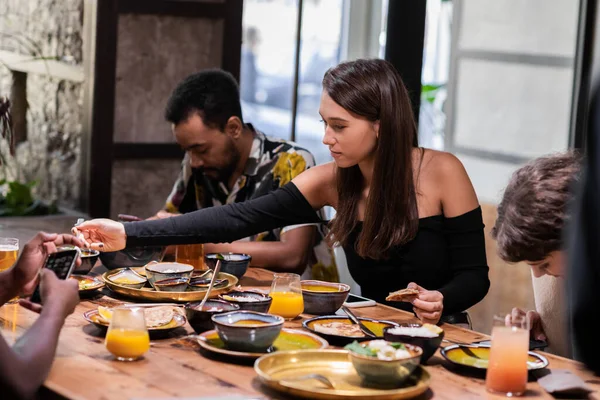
(282, 207)
(466, 250)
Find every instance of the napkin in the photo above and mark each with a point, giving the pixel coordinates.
(564, 382)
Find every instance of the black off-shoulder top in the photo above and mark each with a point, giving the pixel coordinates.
(447, 254)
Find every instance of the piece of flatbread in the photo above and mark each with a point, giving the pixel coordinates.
(339, 329)
(158, 316)
(154, 316)
(403, 295)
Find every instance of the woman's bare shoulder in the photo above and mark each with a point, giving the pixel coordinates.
(445, 172)
(318, 185)
(438, 164)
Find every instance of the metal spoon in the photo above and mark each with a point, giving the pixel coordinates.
(212, 280)
(356, 321)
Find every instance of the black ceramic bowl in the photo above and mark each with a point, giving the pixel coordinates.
(132, 257)
(323, 298)
(237, 297)
(428, 344)
(234, 263)
(88, 260)
(200, 320)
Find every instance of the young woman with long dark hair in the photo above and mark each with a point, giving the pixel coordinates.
(406, 216)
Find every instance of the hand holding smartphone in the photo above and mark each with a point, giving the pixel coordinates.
(61, 263)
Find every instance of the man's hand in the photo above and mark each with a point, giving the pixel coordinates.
(34, 254)
(162, 214)
(59, 297)
(534, 320)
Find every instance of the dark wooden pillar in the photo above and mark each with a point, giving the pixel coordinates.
(404, 44)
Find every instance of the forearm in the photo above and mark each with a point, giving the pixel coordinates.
(465, 290)
(467, 260)
(26, 365)
(275, 256)
(285, 206)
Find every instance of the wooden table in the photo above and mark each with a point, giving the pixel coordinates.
(174, 367)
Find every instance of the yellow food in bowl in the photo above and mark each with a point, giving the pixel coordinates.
(250, 322)
(319, 288)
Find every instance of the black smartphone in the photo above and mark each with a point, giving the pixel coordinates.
(355, 301)
(537, 344)
(61, 263)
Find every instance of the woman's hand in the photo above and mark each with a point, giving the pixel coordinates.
(428, 304)
(534, 319)
(102, 234)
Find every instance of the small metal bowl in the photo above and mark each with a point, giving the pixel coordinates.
(262, 304)
(167, 270)
(200, 284)
(200, 319)
(171, 285)
(127, 278)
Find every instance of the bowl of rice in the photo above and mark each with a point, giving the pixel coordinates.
(248, 300)
(426, 336)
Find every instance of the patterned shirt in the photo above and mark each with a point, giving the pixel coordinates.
(271, 164)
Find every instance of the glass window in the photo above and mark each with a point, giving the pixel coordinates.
(319, 51)
(267, 68)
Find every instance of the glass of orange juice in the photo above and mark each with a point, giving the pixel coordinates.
(127, 336)
(507, 368)
(286, 293)
(9, 248)
(192, 254)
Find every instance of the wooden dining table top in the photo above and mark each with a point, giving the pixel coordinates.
(175, 367)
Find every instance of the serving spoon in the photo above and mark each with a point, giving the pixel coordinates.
(212, 280)
(356, 321)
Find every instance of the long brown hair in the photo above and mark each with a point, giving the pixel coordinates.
(374, 90)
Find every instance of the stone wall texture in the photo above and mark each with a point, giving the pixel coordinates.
(141, 187)
(49, 29)
(154, 53)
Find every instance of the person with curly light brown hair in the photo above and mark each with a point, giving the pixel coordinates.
(531, 218)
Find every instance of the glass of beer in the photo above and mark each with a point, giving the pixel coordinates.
(192, 254)
(127, 336)
(507, 368)
(9, 248)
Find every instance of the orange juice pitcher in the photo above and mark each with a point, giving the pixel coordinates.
(286, 293)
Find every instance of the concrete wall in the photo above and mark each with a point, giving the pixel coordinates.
(46, 28)
(154, 53)
(511, 85)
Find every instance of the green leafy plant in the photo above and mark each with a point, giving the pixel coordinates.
(16, 199)
(429, 92)
(358, 348)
